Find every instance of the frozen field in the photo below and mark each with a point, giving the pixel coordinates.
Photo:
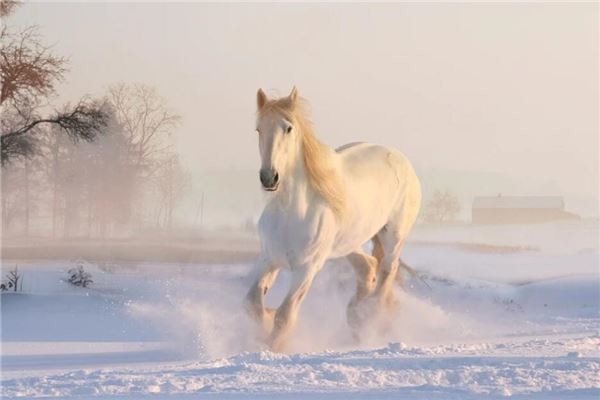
(508, 312)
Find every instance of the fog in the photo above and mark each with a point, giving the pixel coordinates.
(130, 260)
(483, 98)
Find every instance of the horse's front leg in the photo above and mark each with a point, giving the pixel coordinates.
(287, 313)
(256, 296)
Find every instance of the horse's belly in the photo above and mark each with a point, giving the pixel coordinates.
(359, 230)
(346, 246)
(364, 220)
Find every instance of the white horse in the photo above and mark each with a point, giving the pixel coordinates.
(326, 204)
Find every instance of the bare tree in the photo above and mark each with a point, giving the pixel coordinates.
(147, 122)
(53, 151)
(29, 72)
(171, 183)
(29, 69)
(7, 7)
(84, 121)
(109, 179)
(90, 184)
(22, 184)
(148, 125)
(12, 194)
(12, 280)
(443, 207)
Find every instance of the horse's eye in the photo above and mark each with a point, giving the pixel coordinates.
(289, 129)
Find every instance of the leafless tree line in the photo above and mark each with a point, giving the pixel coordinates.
(99, 168)
(102, 188)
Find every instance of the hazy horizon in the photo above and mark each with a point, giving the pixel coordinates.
(483, 98)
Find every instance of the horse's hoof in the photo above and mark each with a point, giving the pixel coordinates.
(391, 304)
(277, 345)
(266, 323)
(359, 313)
(268, 319)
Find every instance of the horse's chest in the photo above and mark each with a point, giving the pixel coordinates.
(291, 239)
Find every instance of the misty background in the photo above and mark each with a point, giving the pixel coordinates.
(482, 98)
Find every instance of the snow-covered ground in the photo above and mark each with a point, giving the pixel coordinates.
(494, 314)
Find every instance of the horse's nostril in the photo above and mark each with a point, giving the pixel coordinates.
(263, 177)
(269, 178)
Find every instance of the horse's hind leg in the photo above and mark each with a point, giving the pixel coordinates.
(377, 249)
(392, 242)
(256, 295)
(365, 267)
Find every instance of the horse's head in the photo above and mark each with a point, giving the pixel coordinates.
(278, 137)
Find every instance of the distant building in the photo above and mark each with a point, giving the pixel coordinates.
(519, 209)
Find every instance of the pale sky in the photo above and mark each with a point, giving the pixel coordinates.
(469, 92)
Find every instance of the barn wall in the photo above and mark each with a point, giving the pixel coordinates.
(518, 215)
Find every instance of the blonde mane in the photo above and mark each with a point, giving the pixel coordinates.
(316, 156)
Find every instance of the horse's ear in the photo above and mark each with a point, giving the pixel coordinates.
(261, 99)
(293, 95)
(291, 101)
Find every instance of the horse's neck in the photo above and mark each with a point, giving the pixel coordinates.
(297, 192)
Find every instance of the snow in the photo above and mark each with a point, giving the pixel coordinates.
(492, 322)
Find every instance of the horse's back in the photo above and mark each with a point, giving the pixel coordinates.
(349, 146)
(382, 186)
(362, 155)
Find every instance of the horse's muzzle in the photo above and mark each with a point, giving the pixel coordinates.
(269, 179)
